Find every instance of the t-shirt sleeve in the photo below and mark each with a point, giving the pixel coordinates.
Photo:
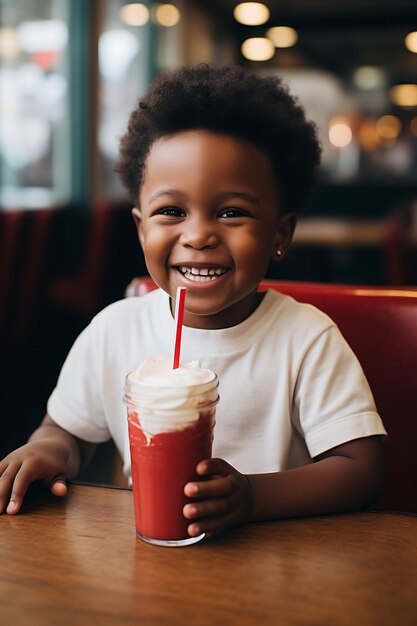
(333, 403)
(75, 404)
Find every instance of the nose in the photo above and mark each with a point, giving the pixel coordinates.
(199, 232)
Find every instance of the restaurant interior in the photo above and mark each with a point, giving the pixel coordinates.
(70, 73)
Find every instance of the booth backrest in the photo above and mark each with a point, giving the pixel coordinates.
(381, 327)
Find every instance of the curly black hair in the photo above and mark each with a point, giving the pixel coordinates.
(230, 100)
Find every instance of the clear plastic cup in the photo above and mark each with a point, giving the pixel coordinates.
(164, 455)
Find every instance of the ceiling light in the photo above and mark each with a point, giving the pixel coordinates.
(251, 13)
(134, 14)
(404, 95)
(388, 127)
(258, 49)
(340, 133)
(282, 36)
(167, 15)
(369, 77)
(411, 41)
(368, 136)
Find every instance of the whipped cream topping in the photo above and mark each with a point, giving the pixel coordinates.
(158, 372)
(168, 399)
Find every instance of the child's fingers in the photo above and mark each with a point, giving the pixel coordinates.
(216, 487)
(3, 466)
(59, 487)
(18, 491)
(209, 508)
(211, 525)
(7, 476)
(20, 487)
(214, 466)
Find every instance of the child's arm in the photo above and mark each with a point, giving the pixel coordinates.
(52, 455)
(347, 477)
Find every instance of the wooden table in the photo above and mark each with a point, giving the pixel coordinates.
(79, 562)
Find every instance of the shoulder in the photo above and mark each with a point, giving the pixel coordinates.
(302, 318)
(129, 320)
(130, 309)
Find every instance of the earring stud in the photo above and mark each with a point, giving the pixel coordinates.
(279, 252)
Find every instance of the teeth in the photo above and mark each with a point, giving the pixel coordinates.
(201, 275)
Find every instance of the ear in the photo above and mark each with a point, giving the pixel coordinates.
(284, 235)
(137, 218)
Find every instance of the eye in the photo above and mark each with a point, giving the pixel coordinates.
(233, 212)
(171, 211)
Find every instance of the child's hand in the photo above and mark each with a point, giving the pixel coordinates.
(224, 498)
(37, 460)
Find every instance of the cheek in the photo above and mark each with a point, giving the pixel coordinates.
(254, 246)
(154, 241)
(158, 246)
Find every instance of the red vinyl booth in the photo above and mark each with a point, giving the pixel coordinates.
(381, 327)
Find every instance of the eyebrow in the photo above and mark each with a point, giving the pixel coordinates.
(165, 192)
(240, 194)
(222, 196)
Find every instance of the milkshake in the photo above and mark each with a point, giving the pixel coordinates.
(171, 416)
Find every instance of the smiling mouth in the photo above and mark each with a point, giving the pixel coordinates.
(202, 274)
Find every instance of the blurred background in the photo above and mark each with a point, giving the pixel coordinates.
(70, 73)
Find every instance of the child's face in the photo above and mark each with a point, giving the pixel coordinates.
(209, 220)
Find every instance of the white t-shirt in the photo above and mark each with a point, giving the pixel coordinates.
(290, 386)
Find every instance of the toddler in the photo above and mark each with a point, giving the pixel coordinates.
(217, 162)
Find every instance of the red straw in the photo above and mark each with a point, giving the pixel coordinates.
(179, 316)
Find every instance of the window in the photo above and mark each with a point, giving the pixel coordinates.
(124, 74)
(35, 149)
